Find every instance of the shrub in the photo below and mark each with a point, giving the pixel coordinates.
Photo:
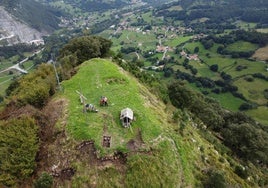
(215, 179)
(1, 98)
(242, 172)
(35, 88)
(18, 148)
(44, 181)
(245, 106)
(214, 67)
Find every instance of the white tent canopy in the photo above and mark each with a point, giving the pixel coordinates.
(126, 117)
(126, 113)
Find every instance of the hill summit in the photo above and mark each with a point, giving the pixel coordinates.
(93, 149)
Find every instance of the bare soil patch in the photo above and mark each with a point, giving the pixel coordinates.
(58, 151)
(261, 54)
(135, 144)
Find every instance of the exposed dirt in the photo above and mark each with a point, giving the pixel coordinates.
(54, 155)
(136, 143)
(115, 81)
(58, 151)
(261, 54)
(12, 111)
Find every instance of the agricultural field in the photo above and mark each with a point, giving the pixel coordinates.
(264, 30)
(237, 68)
(253, 90)
(260, 114)
(27, 63)
(261, 54)
(242, 46)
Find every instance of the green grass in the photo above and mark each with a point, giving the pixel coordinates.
(178, 8)
(242, 46)
(100, 77)
(3, 86)
(177, 41)
(227, 101)
(162, 168)
(159, 166)
(253, 90)
(191, 46)
(147, 17)
(203, 70)
(134, 39)
(245, 25)
(172, 157)
(251, 67)
(260, 114)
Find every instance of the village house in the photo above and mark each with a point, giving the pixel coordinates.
(160, 48)
(193, 57)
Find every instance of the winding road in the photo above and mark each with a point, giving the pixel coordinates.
(17, 66)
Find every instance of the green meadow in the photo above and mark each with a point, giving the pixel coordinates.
(98, 78)
(260, 114)
(253, 90)
(177, 41)
(242, 46)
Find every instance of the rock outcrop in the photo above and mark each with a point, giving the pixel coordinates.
(13, 31)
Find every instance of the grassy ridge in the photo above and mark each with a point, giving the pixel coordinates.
(98, 78)
(165, 159)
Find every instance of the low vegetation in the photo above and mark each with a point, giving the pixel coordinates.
(179, 137)
(18, 148)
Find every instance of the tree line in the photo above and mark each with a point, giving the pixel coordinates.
(246, 138)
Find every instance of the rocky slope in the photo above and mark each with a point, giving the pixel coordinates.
(14, 31)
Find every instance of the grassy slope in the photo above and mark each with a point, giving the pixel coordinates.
(102, 78)
(242, 46)
(174, 161)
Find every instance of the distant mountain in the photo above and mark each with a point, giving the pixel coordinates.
(91, 5)
(14, 31)
(34, 14)
(217, 10)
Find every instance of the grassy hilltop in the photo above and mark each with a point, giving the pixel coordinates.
(165, 146)
(156, 154)
(98, 78)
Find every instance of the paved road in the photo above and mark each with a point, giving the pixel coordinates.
(17, 66)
